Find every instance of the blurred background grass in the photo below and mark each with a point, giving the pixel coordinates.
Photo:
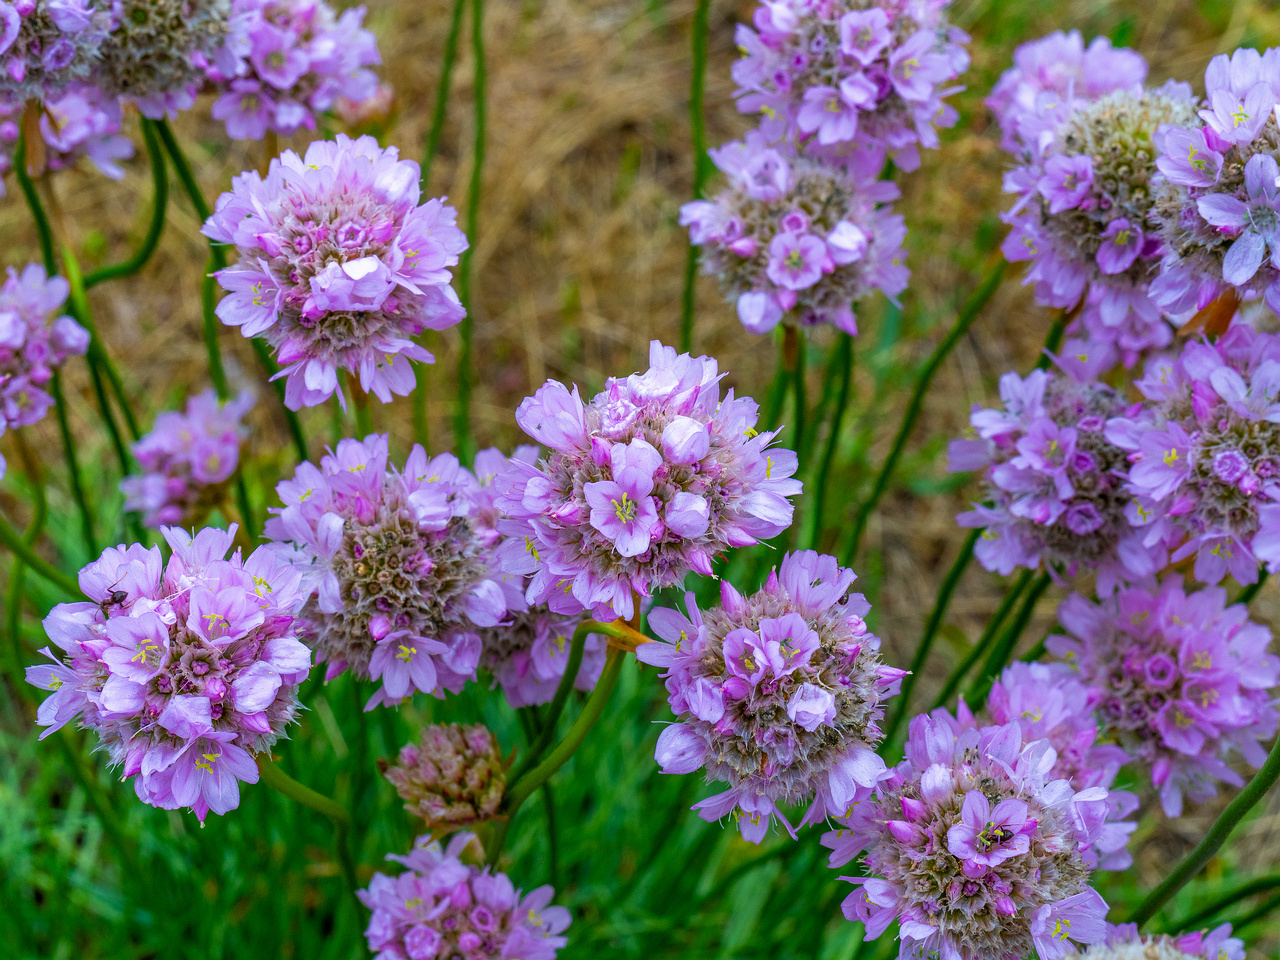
(578, 265)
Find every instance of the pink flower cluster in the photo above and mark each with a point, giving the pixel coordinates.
(1125, 943)
(31, 345)
(1055, 483)
(286, 61)
(1205, 454)
(184, 670)
(791, 238)
(186, 460)
(1184, 680)
(655, 477)
(47, 44)
(852, 80)
(1084, 216)
(397, 572)
(779, 694)
(1219, 203)
(442, 907)
(81, 122)
(340, 267)
(975, 847)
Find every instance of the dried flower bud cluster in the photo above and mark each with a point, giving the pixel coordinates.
(452, 776)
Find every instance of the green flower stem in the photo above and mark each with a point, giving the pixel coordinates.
(777, 394)
(539, 743)
(1054, 340)
(463, 441)
(208, 309)
(964, 320)
(1227, 821)
(945, 592)
(17, 574)
(1003, 649)
(1265, 909)
(801, 399)
(988, 635)
(43, 230)
(844, 363)
(159, 204)
(1233, 896)
(73, 465)
(281, 782)
(520, 790)
(268, 364)
(1251, 590)
(701, 162)
(432, 145)
(24, 553)
(364, 416)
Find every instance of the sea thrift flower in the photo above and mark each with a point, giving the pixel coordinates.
(339, 266)
(47, 44)
(1054, 483)
(1205, 452)
(1050, 703)
(1217, 201)
(1084, 214)
(81, 122)
(779, 695)
(1184, 681)
(1050, 73)
(32, 345)
(858, 80)
(157, 54)
(791, 239)
(187, 460)
(441, 907)
(1125, 943)
(655, 477)
(400, 578)
(286, 61)
(974, 848)
(184, 670)
(452, 776)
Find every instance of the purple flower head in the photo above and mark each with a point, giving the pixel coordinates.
(158, 50)
(189, 675)
(33, 343)
(398, 566)
(779, 695)
(442, 907)
(975, 847)
(287, 61)
(655, 477)
(46, 45)
(339, 266)
(1055, 482)
(1183, 680)
(187, 460)
(1205, 453)
(1084, 215)
(81, 122)
(1125, 943)
(1252, 221)
(852, 82)
(451, 777)
(775, 261)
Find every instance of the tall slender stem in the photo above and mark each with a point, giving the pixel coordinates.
(801, 396)
(441, 110)
(844, 363)
(1001, 652)
(364, 416)
(1222, 828)
(17, 574)
(280, 781)
(44, 231)
(23, 551)
(988, 635)
(155, 227)
(73, 465)
(945, 592)
(463, 442)
(263, 353)
(701, 162)
(777, 394)
(539, 744)
(1233, 896)
(964, 320)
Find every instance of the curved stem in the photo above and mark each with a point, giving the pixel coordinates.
(844, 363)
(43, 230)
(520, 791)
(1251, 590)
(1001, 652)
(1265, 909)
(964, 320)
(23, 552)
(979, 648)
(462, 440)
(183, 169)
(701, 164)
(949, 584)
(159, 204)
(1233, 896)
(73, 465)
(1227, 821)
(280, 781)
